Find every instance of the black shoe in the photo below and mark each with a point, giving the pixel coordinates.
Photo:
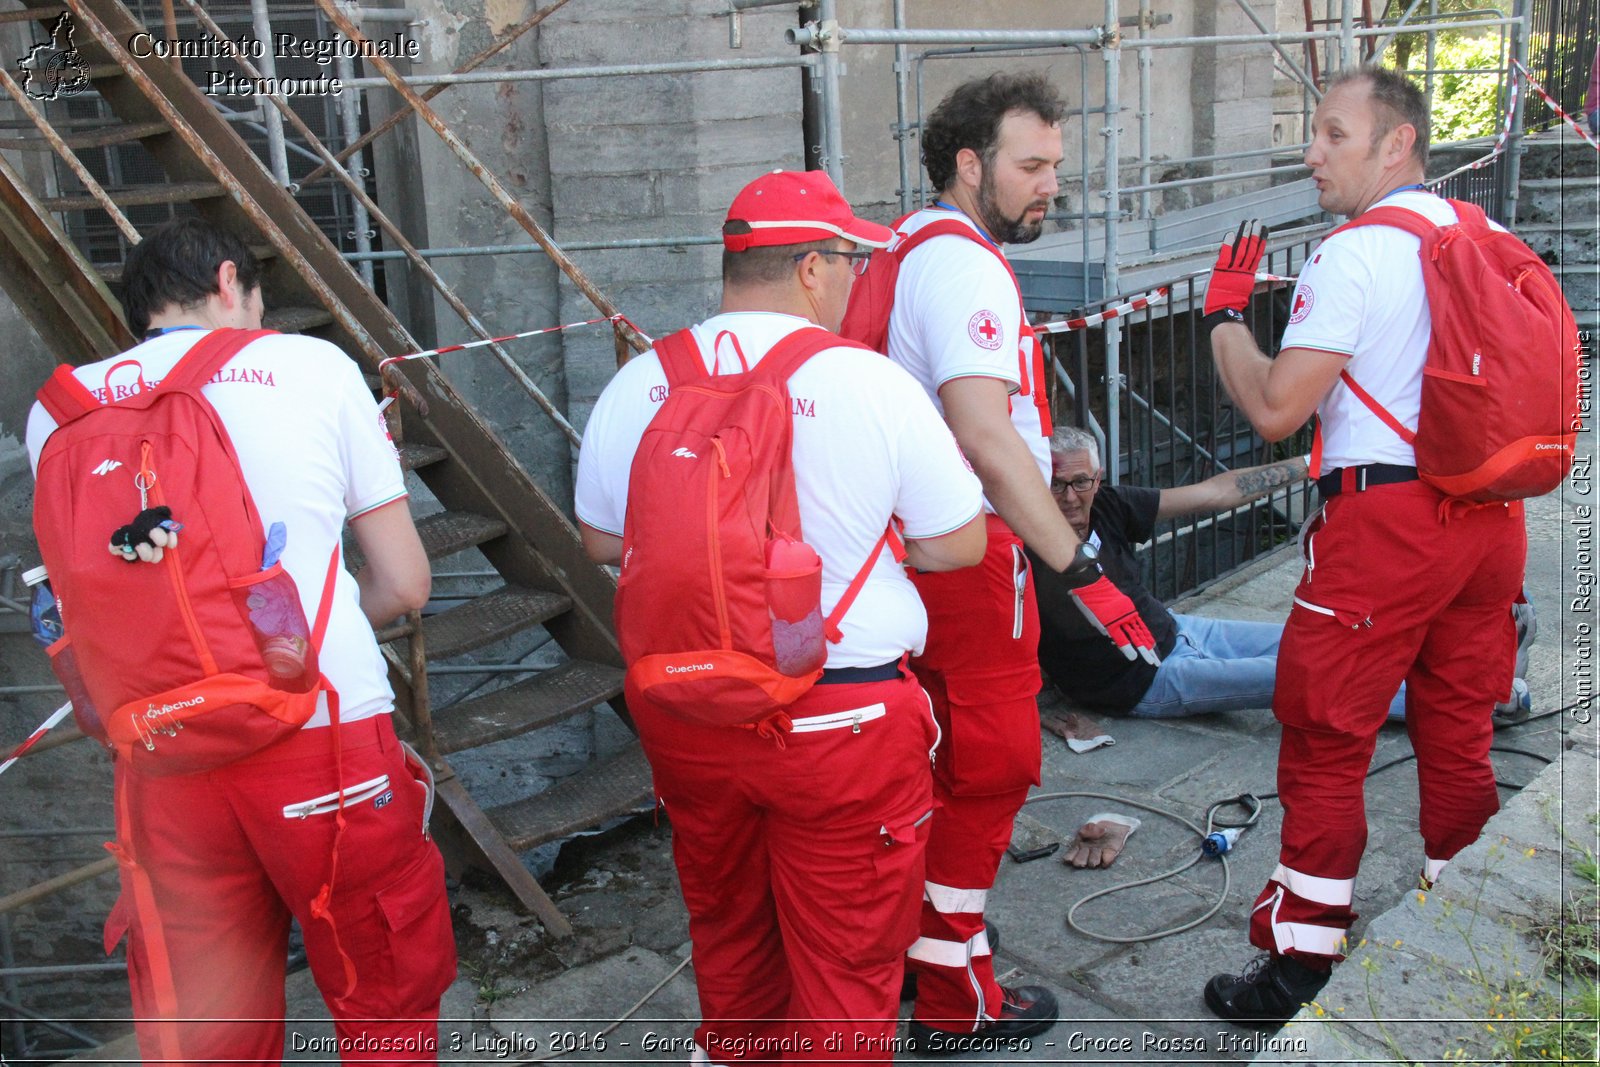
(1024, 1011)
(1270, 990)
(908, 984)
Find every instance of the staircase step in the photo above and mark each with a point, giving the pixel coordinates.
(449, 532)
(112, 274)
(138, 196)
(296, 320)
(443, 534)
(599, 792)
(1561, 244)
(413, 457)
(546, 698)
(101, 138)
(485, 619)
(1573, 203)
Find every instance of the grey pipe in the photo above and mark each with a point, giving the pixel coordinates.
(829, 72)
(262, 24)
(811, 34)
(494, 77)
(1112, 53)
(1305, 79)
(570, 246)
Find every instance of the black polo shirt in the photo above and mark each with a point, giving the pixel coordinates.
(1087, 668)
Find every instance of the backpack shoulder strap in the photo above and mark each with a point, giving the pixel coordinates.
(785, 357)
(941, 228)
(680, 357)
(64, 397)
(207, 355)
(1398, 217)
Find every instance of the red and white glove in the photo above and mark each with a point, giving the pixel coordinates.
(1233, 278)
(1110, 611)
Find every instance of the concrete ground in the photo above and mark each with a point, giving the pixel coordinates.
(1427, 974)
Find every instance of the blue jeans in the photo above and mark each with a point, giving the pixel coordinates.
(1594, 123)
(1221, 665)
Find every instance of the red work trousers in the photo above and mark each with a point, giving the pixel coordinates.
(800, 860)
(228, 869)
(981, 669)
(1396, 588)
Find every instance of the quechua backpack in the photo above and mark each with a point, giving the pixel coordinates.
(1501, 384)
(203, 657)
(718, 608)
(866, 315)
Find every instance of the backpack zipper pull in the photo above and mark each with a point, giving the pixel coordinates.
(722, 457)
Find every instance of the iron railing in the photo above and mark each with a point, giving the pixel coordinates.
(1561, 52)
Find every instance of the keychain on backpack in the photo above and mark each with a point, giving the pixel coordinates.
(147, 537)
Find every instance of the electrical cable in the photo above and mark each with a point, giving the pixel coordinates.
(1211, 823)
(1252, 804)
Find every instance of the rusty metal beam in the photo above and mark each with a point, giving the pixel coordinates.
(40, 890)
(236, 190)
(481, 171)
(377, 214)
(50, 281)
(500, 45)
(68, 156)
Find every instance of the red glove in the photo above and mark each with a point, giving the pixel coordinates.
(1233, 278)
(1110, 611)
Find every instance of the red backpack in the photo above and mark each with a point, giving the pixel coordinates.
(1501, 385)
(204, 657)
(718, 608)
(866, 316)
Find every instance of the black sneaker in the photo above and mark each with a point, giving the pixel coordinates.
(1024, 1011)
(1270, 990)
(908, 984)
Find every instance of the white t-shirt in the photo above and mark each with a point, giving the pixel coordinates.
(957, 314)
(314, 453)
(867, 445)
(1361, 296)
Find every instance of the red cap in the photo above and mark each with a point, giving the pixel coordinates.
(791, 207)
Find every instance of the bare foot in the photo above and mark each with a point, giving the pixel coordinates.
(1100, 840)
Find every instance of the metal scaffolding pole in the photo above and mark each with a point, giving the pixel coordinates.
(828, 71)
(1146, 59)
(902, 133)
(812, 34)
(1519, 53)
(495, 77)
(1111, 51)
(1283, 54)
(261, 23)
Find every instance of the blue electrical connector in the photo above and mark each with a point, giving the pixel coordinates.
(1220, 842)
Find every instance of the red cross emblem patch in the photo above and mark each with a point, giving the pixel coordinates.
(985, 331)
(1303, 300)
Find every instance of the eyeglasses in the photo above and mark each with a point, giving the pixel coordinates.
(1083, 483)
(858, 260)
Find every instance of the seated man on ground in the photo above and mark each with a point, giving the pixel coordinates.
(1207, 665)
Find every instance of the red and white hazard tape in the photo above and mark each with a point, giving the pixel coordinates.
(389, 393)
(1533, 83)
(1138, 303)
(1499, 143)
(33, 739)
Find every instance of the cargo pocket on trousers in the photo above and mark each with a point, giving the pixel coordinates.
(993, 742)
(1321, 680)
(422, 949)
(891, 906)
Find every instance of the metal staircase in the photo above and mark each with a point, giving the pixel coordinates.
(490, 501)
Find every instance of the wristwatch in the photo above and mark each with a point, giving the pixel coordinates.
(1220, 316)
(1084, 566)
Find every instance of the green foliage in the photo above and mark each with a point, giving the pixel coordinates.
(1464, 105)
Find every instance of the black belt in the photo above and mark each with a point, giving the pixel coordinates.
(1359, 479)
(882, 672)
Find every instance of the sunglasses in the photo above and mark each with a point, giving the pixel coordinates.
(858, 260)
